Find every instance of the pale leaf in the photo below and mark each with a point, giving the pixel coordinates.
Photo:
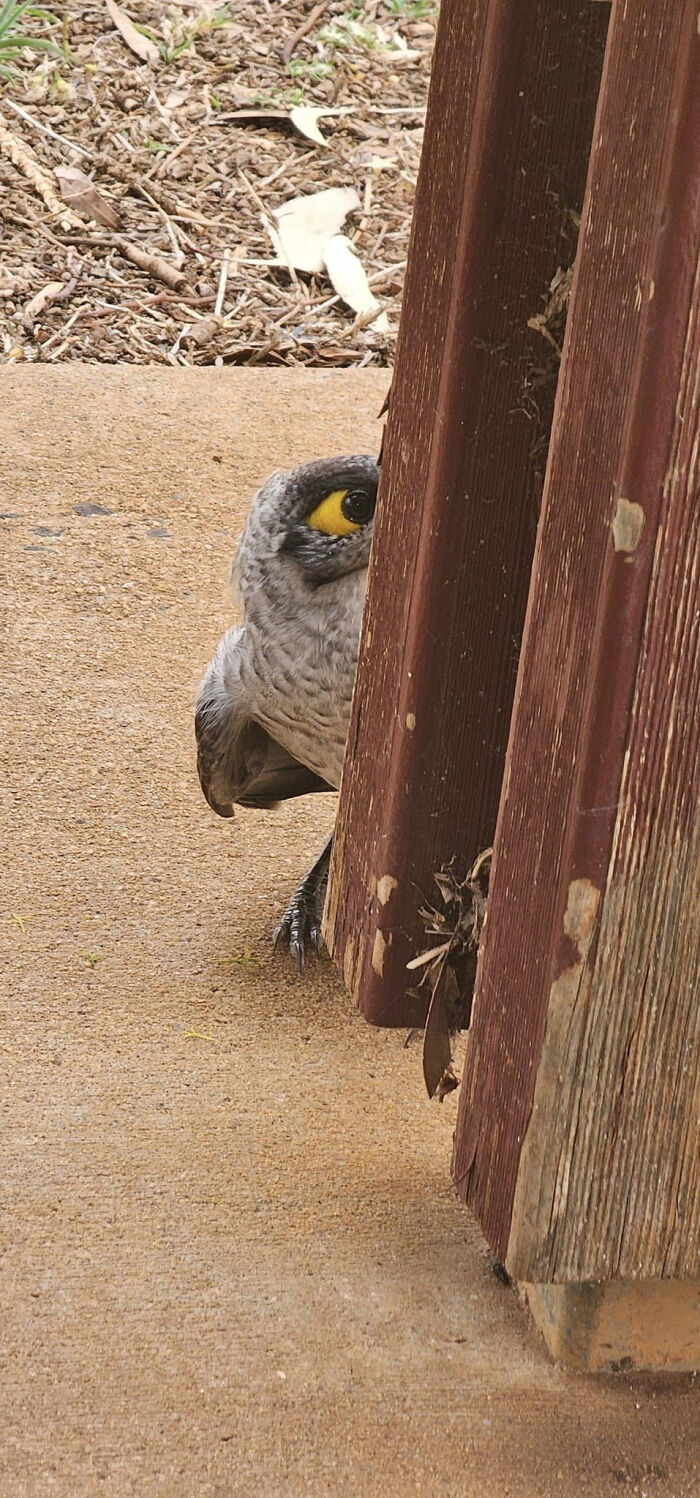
(83, 196)
(305, 225)
(140, 44)
(176, 97)
(305, 119)
(350, 281)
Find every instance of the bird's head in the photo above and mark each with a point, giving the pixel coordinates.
(319, 515)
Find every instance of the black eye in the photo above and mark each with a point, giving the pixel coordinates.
(358, 506)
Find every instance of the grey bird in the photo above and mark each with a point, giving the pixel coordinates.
(273, 710)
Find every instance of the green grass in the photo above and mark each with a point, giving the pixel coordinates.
(185, 36)
(16, 17)
(312, 71)
(412, 10)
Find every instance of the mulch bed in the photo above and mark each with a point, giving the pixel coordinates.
(192, 179)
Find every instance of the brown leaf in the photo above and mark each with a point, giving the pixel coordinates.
(82, 195)
(437, 1051)
(140, 44)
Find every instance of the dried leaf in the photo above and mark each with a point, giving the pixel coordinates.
(253, 117)
(305, 119)
(350, 281)
(305, 225)
(447, 1084)
(176, 97)
(140, 44)
(437, 1051)
(81, 194)
(428, 956)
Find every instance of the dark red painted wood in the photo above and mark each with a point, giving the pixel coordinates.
(508, 135)
(577, 1134)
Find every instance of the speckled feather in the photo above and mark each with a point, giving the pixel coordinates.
(275, 702)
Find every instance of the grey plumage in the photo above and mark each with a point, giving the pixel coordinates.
(273, 709)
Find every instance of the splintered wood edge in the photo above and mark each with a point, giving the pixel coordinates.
(621, 1325)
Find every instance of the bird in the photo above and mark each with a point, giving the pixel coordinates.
(273, 710)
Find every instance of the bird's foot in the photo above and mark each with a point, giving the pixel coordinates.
(300, 926)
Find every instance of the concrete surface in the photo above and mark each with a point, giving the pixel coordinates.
(232, 1260)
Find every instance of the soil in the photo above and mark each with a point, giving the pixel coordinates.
(193, 153)
(233, 1262)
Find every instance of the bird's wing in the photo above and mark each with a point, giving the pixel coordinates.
(238, 760)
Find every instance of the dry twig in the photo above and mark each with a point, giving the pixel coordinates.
(24, 159)
(303, 30)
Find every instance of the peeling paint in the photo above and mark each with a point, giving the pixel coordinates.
(627, 526)
(385, 885)
(581, 909)
(567, 1004)
(379, 950)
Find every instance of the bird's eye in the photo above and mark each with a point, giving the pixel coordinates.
(358, 506)
(342, 512)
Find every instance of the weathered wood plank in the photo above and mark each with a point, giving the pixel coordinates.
(579, 1126)
(621, 1326)
(509, 126)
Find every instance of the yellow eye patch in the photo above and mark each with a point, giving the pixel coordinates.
(329, 518)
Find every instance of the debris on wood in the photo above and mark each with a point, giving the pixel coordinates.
(552, 321)
(43, 299)
(449, 966)
(303, 30)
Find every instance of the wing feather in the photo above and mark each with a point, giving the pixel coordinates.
(238, 761)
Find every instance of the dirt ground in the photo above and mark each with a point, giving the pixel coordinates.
(232, 1260)
(191, 154)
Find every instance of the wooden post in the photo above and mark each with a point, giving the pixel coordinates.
(509, 126)
(579, 1127)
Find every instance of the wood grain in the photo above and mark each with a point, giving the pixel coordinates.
(508, 135)
(577, 1140)
(621, 1326)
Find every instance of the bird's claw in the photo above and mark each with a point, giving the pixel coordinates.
(300, 926)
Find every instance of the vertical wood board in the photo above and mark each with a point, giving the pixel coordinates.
(508, 133)
(577, 1139)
